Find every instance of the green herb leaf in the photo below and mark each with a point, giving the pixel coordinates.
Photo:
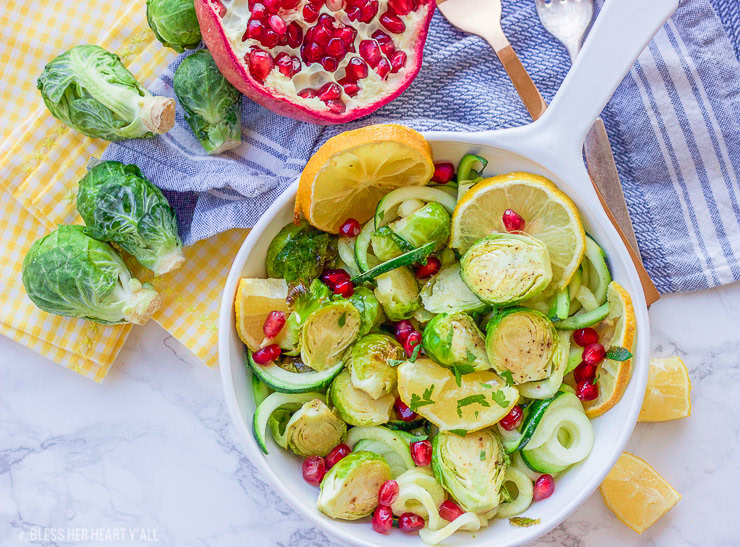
(506, 375)
(500, 399)
(523, 522)
(482, 455)
(426, 399)
(618, 353)
(596, 380)
(395, 362)
(459, 370)
(470, 356)
(415, 353)
(473, 399)
(458, 432)
(342, 319)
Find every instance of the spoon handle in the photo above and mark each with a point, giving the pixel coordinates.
(524, 85)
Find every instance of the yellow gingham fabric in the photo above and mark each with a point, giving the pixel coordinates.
(41, 161)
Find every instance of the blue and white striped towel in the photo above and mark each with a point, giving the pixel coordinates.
(673, 124)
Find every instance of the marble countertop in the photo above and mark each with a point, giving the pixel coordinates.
(150, 455)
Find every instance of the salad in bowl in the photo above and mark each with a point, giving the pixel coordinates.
(429, 343)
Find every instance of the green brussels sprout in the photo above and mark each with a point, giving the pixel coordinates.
(522, 341)
(119, 204)
(69, 273)
(371, 313)
(428, 223)
(454, 340)
(387, 244)
(398, 293)
(174, 23)
(302, 301)
(471, 468)
(313, 430)
(212, 105)
(504, 269)
(299, 252)
(327, 333)
(447, 292)
(355, 406)
(369, 366)
(91, 91)
(349, 490)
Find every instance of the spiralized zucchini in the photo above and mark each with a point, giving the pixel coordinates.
(524, 495)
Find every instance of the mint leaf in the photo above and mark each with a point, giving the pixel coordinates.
(500, 399)
(506, 375)
(479, 399)
(426, 399)
(618, 353)
(342, 319)
(458, 432)
(482, 455)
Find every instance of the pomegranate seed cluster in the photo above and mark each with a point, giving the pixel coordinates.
(345, 40)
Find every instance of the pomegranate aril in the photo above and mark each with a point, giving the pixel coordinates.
(513, 221)
(272, 5)
(512, 420)
(544, 486)
(370, 51)
(353, 13)
(388, 492)
(585, 337)
(274, 323)
(392, 22)
(270, 39)
(382, 519)
(310, 13)
(327, 21)
(403, 329)
(335, 5)
(336, 454)
(583, 372)
(402, 7)
(410, 522)
(356, 69)
(307, 93)
(398, 61)
(449, 510)
(296, 65)
(314, 469)
(255, 30)
(433, 265)
(344, 288)
(412, 340)
(443, 173)
(421, 452)
(593, 354)
(260, 63)
(277, 24)
(220, 8)
(289, 4)
(311, 52)
(321, 35)
(586, 391)
(336, 48)
(330, 64)
(385, 41)
(350, 228)
(368, 11)
(295, 34)
(337, 106)
(346, 35)
(404, 412)
(330, 91)
(383, 68)
(331, 277)
(350, 86)
(259, 11)
(266, 355)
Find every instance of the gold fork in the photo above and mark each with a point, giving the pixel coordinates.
(483, 18)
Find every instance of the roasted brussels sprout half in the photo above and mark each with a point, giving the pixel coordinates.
(522, 341)
(299, 252)
(174, 23)
(357, 407)
(447, 292)
(454, 340)
(119, 204)
(369, 366)
(504, 269)
(91, 91)
(313, 430)
(398, 293)
(349, 490)
(327, 333)
(302, 301)
(371, 313)
(69, 273)
(471, 468)
(430, 222)
(212, 105)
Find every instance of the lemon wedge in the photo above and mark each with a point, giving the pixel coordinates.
(668, 395)
(255, 299)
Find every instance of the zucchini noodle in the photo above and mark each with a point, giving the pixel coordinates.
(409, 484)
(467, 521)
(346, 247)
(524, 495)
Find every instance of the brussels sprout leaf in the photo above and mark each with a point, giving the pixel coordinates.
(523, 522)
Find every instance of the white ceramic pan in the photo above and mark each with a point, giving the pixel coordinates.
(551, 147)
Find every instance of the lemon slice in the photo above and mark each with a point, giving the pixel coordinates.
(668, 391)
(255, 298)
(636, 494)
(549, 215)
(617, 330)
(350, 173)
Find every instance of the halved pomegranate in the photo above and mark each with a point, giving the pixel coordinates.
(319, 61)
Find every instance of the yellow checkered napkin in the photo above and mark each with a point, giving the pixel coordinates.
(42, 161)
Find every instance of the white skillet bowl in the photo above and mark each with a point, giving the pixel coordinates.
(550, 147)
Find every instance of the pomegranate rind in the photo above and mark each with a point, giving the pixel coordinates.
(236, 71)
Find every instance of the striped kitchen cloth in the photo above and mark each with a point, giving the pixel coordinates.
(673, 124)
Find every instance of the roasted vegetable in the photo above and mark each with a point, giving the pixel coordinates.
(369, 367)
(299, 252)
(371, 312)
(91, 91)
(212, 105)
(174, 23)
(119, 204)
(398, 293)
(357, 407)
(454, 340)
(313, 430)
(430, 223)
(447, 292)
(327, 334)
(69, 273)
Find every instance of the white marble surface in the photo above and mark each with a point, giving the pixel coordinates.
(151, 452)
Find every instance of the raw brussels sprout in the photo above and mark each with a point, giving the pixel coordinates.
(522, 341)
(174, 23)
(454, 340)
(428, 223)
(69, 273)
(313, 430)
(357, 407)
(212, 105)
(349, 490)
(470, 468)
(299, 252)
(327, 333)
(398, 293)
(91, 91)
(369, 366)
(447, 292)
(119, 204)
(371, 313)
(504, 269)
